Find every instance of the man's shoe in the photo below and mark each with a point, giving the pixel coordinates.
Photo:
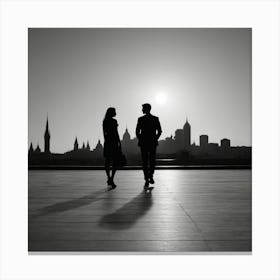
(152, 180)
(113, 185)
(146, 186)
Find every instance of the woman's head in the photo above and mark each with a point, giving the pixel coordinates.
(110, 113)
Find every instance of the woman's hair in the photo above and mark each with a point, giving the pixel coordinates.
(110, 113)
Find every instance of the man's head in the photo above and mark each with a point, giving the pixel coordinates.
(146, 108)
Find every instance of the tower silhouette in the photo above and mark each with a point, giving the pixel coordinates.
(31, 149)
(187, 134)
(88, 146)
(37, 150)
(203, 141)
(76, 145)
(47, 138)
(99, 147)
(126, 136)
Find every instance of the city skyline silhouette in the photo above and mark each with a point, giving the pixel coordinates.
(128, 136)
(173, 150)
(202, 74)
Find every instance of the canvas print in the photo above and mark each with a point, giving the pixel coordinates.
(139, 140)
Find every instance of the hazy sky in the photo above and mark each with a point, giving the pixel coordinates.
(76, 74)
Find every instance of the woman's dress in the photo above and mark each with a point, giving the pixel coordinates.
(111, 138)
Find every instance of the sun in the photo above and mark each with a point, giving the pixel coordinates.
(161, 98)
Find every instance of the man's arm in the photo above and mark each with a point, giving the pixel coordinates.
(138, 129)
(159, 131)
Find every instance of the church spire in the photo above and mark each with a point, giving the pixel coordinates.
(31, 149)
(47, 137)
(76, 144)
(88, 146)
(47, 125)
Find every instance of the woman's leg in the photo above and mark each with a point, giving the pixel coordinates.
(107, 168)
(114, 170)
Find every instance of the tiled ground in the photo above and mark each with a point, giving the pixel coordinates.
(188, 211)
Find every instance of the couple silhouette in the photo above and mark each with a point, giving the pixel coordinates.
(148, 131)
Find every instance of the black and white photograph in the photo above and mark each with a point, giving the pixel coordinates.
(140, 140)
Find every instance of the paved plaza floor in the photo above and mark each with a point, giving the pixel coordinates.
(188, 211)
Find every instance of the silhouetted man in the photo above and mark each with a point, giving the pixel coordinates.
(148, 131)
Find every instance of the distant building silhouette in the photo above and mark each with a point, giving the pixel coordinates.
(167, 146)
(126, 136)
(88, 146)
(98, 149)
(187, 134)
(179, 140)
(213, 145)
(31, 150)
(225, 143)
(76, 145)
(37, 150)
(171, 150)
(47, 137)
(203, 141)
(129, 145)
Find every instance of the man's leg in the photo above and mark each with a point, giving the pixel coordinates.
(152, 162)
(144, 154)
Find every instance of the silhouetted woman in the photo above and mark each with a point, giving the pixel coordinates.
(112, 145)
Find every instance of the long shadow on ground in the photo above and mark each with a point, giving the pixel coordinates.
(126, 216)
(70, 204)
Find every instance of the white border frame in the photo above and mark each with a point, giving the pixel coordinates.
(17, 16)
